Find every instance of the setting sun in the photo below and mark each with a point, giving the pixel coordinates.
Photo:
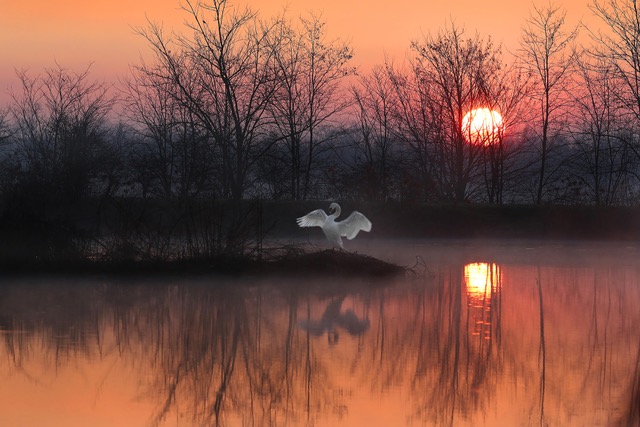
(482, 125)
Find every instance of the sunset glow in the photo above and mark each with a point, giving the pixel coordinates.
(482, 125)
(35, 33)
(345, 214)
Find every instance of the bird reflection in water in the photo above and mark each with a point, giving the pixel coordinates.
(482, 282)
(334, 318)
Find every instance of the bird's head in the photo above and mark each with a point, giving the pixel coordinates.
(334, 208)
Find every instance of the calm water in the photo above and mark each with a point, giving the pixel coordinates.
(493, 333)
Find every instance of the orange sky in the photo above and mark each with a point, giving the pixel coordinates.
(35, 33)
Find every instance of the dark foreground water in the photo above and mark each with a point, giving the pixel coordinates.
(491, 334)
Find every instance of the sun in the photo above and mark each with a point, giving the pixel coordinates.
(482, 125)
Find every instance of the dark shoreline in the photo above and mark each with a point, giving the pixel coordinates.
(277, 220)
(320, 263)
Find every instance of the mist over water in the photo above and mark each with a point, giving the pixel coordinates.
(495, 333)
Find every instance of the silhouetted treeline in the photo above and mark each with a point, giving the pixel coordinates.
(239, 107)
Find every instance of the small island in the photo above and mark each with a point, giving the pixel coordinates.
(255, 237)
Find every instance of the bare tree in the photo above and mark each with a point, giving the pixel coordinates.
(8, 166)
(5, 127)
(544, 52)
(454, 71)
(61, 130)
(507, 93)
(223, 75)
(61, 154)
(604, 160)
(416, 118)
(311, 70)
(376, 137)
(172, 156)
(620, 47)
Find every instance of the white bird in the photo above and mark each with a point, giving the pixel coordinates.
(334, 231)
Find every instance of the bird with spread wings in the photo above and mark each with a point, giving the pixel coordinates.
(336, 230)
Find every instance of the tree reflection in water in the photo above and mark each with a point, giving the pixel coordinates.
(213, 353)
(462, 347)
(459, 355)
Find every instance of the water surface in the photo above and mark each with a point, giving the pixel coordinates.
(487, 333)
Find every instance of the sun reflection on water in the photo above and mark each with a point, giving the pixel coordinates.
(481, 344)
(482, 282)
(480, 278)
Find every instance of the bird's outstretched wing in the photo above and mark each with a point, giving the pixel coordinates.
(313, 219)
(351, 226)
